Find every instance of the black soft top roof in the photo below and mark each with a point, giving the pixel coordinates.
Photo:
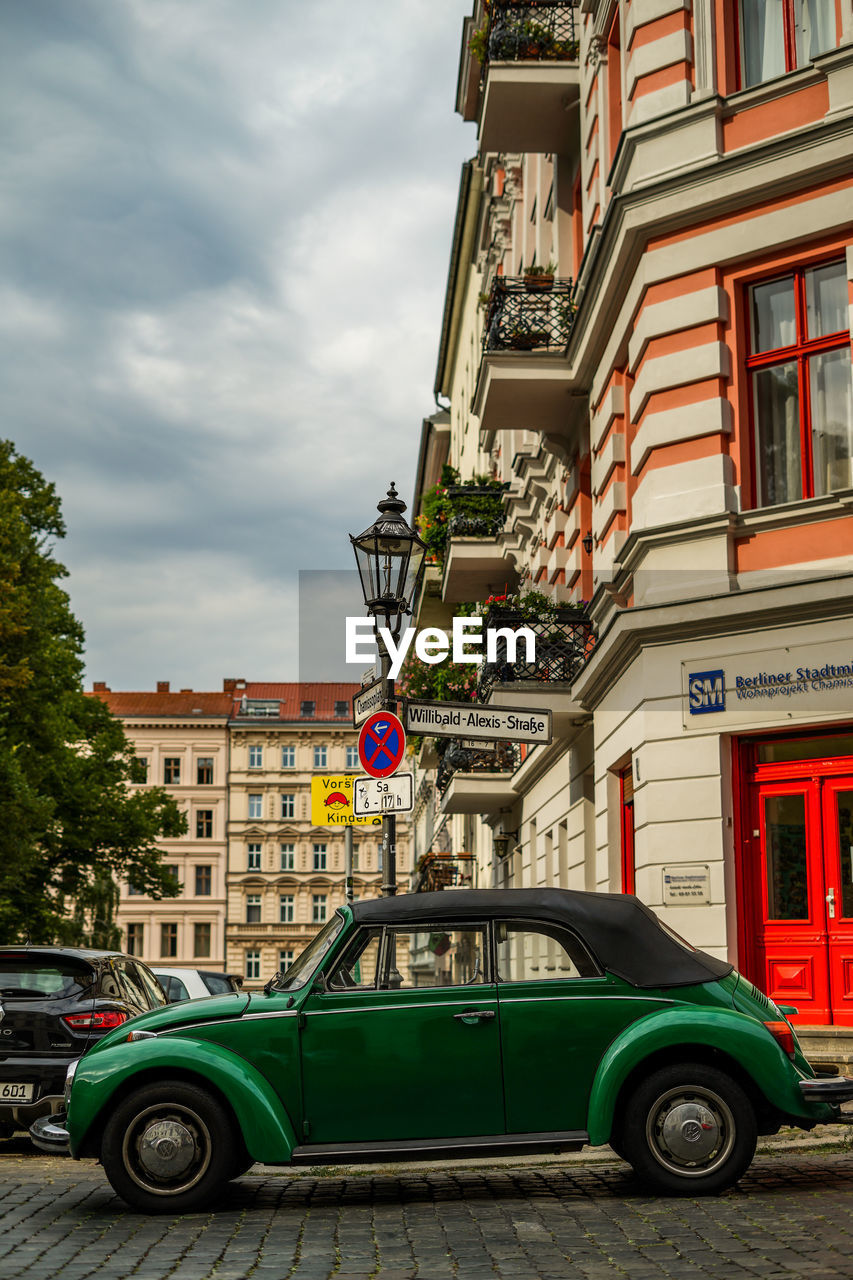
(625, 936)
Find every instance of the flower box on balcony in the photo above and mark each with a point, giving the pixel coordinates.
(564, 641)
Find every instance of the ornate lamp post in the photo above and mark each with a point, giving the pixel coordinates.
(390, 560)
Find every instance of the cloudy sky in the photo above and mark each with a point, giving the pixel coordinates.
(224, 235)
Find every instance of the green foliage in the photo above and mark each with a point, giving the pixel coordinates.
(439, 682)
(548, 270)
(69, 825)
(439, 505)
(479, 42)
(531, 606)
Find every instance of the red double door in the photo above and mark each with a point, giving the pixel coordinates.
(798, 882)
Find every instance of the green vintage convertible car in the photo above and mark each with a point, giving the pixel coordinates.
(445, 1024)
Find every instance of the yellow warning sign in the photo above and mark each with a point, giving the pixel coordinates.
(331, 803)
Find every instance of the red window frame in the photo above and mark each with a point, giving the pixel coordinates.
(789, 26)
(626, 824)
(801, 350)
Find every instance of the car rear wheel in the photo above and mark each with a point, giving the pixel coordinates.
(168, 1148)
(689, 1130)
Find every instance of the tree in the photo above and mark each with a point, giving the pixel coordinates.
(69, 824)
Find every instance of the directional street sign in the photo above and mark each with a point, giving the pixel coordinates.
(366, 701)
(487, 724)
(381, 744)
(384, 795)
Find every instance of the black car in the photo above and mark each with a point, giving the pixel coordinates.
(54, 1003)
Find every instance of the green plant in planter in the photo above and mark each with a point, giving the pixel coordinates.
(479, 42)
(447, 499)
(532, 606)
(549, 269)
(525, 339)
(436, 510)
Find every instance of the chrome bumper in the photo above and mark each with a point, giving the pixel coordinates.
(49, 1134)
(833, 1089)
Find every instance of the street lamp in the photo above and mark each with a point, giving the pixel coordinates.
(390, 559)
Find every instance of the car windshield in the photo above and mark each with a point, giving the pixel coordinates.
(32, 977)
(305, 965)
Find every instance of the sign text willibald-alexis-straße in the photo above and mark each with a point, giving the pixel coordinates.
(461, 719)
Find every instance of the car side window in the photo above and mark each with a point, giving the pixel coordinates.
(109, 985)
(358, 969)
(175, 989)
(156, 998)
(540, 953)
(438, 955)
(133, 989)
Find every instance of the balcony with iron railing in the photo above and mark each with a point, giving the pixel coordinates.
(522, 77)
(564, 642)
(436, 871)
(476, 561)
(476, 777)
(524, 378)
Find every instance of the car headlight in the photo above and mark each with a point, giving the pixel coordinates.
(69, 1079)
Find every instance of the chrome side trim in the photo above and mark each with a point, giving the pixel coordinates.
(590, 996)
(289, 1013)
(221, 1022)
(378, 1008)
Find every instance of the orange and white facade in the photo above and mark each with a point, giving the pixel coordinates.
(689, 167)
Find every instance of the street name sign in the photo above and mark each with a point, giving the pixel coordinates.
(384, 795)
(331, 802)
(381, 744)
(366, 701)
(488, 724)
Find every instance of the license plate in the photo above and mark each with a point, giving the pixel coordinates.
(16, 1092)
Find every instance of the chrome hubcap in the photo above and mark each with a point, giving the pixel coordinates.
(167, 1149)
(690, 1131)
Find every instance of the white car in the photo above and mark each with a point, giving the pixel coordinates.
(191, 984)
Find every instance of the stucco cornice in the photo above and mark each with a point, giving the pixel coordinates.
(761, 609)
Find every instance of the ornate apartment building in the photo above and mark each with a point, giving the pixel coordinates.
(286, 872)
(647, 342)
(258, 876)
(181, 742)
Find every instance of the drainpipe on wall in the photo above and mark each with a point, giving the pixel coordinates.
(227, 843)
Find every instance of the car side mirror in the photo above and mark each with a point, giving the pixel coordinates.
(320, 984)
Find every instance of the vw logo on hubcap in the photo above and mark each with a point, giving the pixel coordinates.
(166, 1148)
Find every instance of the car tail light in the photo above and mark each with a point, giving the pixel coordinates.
(782, 1033)
(97, 1020)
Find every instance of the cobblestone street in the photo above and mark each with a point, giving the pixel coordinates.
(791, 1216)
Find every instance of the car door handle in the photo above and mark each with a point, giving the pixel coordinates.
(473, 1015)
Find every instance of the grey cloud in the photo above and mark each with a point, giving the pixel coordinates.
(223, 243)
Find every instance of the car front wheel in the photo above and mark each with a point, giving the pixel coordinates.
(168, 1148)
(689, 1130)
